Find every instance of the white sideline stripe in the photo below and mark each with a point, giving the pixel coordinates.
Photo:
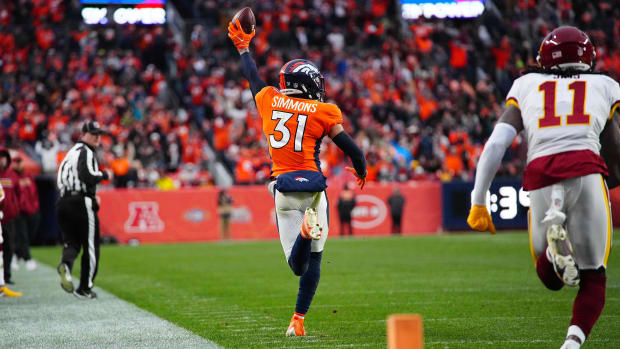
(92, 258)
(48, 317)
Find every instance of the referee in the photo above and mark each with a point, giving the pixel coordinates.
(78, 176)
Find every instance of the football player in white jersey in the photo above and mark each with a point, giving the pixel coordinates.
(566, 111)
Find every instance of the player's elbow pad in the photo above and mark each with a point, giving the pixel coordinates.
(348, 146)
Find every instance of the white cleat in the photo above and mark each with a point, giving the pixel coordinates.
(561, 252)
(570, 344)
(310, 226)
(31, 265)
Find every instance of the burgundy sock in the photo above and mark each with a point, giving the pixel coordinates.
(590, 300)
(547, 275)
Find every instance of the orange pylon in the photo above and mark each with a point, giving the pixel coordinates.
(405, 331)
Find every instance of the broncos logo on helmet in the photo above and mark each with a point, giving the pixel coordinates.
(301, 78)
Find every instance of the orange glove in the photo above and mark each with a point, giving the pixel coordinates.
(360, 181)
(479, 219)
(238, 36)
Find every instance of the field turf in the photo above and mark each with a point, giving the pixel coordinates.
(473, 291)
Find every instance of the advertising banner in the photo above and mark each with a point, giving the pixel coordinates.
(149, 215)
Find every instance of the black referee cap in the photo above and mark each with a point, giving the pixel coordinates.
(92, 127)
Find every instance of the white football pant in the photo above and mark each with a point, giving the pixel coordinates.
(290, 209)
(588, 219)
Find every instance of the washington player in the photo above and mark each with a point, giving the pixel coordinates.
(566, 111)
(295, 120)
(4, 291)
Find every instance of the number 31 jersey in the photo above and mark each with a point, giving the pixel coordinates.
(563, 119)
(294, 128)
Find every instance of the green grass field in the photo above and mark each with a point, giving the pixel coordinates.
(473, 291)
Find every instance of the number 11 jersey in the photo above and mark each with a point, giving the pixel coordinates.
(563, 118)
(294, 128)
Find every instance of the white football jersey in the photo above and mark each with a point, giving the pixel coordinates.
(564, 114)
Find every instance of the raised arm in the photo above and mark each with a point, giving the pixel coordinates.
(248, 66)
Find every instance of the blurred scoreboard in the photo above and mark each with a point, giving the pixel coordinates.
(414, 9)
(102, 12)
(506, 200)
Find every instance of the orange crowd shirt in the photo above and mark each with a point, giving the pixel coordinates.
(294, 128)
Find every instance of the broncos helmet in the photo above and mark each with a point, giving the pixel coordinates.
(566, 47)
(301, 78)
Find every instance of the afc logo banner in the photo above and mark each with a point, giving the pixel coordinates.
(144, 218)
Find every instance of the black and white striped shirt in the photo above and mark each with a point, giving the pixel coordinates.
(79, 172)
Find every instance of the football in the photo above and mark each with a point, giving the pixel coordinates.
(246, 18)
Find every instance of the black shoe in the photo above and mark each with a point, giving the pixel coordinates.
(85, 294)
(9, 282)
(65, 277)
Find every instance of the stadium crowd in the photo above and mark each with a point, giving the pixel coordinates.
(420, 96)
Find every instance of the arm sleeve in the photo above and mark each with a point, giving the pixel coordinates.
(87, 172)
(502, 136)
(348, 146)
(248, 67)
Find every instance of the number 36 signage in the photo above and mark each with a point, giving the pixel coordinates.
(506, 200)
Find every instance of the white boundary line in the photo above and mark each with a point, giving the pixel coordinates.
(48, 317)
